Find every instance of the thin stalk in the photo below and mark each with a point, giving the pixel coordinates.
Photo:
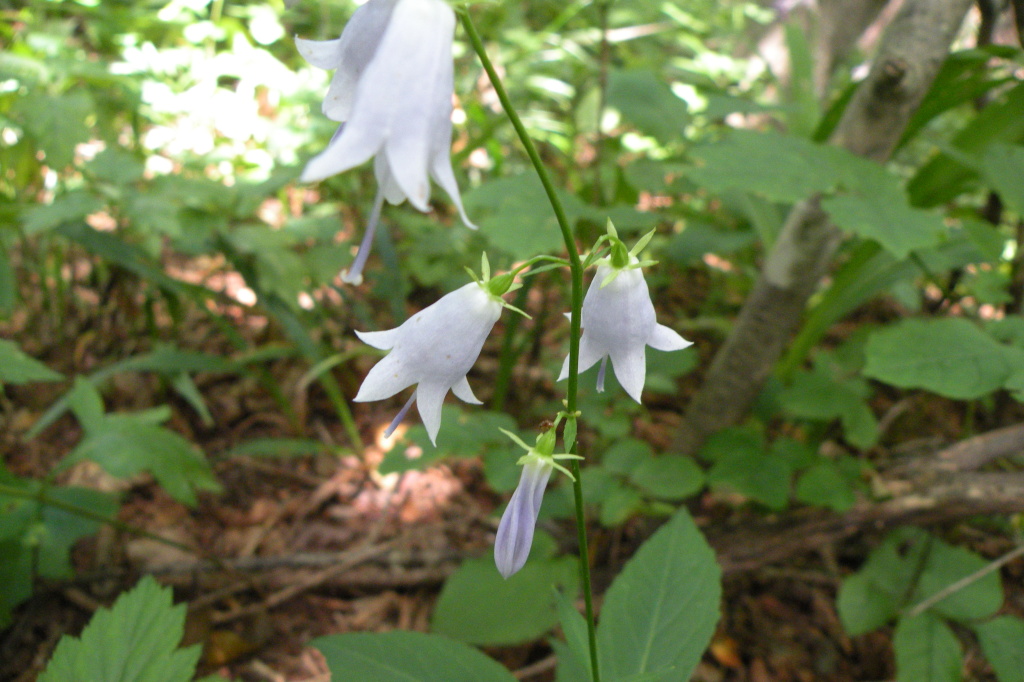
(576, 270)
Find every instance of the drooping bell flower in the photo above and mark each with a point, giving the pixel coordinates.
(435, 349)
(392, 94)
(618, 320)
(515, 530)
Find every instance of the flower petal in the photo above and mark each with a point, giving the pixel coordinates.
(664, 338)
(429, 398)
(388, 377)
(590, 353)
(384, 340)
(323, 54)
(514, 539)
(463, 392)
(630, 367)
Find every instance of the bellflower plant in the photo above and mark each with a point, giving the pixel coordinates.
(515, 530)
(392, 94)
(618, 319)
(435, 349)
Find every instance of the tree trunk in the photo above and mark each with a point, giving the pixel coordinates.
(912, 50)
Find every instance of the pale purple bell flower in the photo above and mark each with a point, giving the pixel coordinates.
(392, 94)
(619, 323)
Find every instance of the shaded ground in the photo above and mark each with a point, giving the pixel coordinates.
(323, 544)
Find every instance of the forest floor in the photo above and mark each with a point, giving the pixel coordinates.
(324, 544)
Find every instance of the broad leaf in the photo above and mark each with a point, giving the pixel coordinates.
(476, 604)
(887, 219)
(1004, 167)
(1002, 641)
(949, 356)
(660, 612)
(135, 641)
(926, 651)
(402, 656)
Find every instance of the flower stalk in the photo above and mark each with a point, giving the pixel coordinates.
(576, 276)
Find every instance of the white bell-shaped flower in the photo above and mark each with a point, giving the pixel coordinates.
(392, 93)
(434, 349)
(619, 323)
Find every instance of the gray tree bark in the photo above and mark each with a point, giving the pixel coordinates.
(841, 23)
(909, 57)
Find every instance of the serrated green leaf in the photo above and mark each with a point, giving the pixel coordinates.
(16, 367)
(125, 445)
(474, 605)
(134, 641)
(949, 356)
(888, 220)
(926, 651)
(406, 657)
(1002, 642)
(782, 168)
(660, 612)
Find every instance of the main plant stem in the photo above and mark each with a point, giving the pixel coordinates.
(576, 270)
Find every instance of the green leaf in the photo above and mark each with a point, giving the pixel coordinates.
(825, 485)
(618, 505)
(887, 219)
(862, 606)
(8, 282)
(779, 167)
(65, 208)
(135, 641)
(949, 356)
(277, 448)
(1003, 166)
(462, 435)
(660, 612)
(18, 368)
(515, 215)
(668, 477)
(476, 603)
(406, 657)
(56, 122)
(645, 100)
(950, 173)
(926, 651)
(948, 564)
(751, 471)
(874, 595)
(1002, 641)
(574, 655)
(125, 445)
(626, 454)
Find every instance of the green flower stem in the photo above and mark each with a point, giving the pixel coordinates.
(576, 269)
